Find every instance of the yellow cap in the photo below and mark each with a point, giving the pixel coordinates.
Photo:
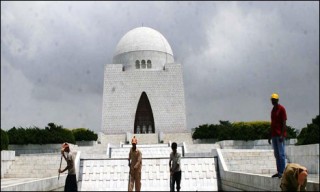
(274, 96)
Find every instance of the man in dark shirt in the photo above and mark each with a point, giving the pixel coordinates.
(278, 133)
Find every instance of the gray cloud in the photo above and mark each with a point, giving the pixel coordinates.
(234, 55)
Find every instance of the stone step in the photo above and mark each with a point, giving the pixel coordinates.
(152, 169)
(147, 138)
(37, 157)
(31, 175)
(109, 175)
(156, 152)
(31, 170)
(43, 162)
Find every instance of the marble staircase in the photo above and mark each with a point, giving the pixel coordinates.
(35, 166)
(113, 174)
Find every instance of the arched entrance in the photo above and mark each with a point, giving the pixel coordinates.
(144, 122)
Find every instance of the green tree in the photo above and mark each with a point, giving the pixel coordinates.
(17, 136)
(309, 134)
(4, 140)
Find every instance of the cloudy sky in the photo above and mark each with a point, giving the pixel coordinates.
(234, 56)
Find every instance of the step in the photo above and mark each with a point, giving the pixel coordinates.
(156, 152)
(29, 175)
(106, 175)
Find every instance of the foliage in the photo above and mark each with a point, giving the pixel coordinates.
(4, 140)
(33, 135)
(291, 132)
(52, 133)
(238, 131)
(310, 134)
(16, 135)
(57, 134)
(83, 134)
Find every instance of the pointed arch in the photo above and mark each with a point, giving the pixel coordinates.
(144, 121)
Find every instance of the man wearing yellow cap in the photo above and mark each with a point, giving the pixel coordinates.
(71, 180)
(294, 178)
(278, 133)
(135, 165)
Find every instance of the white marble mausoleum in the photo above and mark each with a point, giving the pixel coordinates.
(143, 88)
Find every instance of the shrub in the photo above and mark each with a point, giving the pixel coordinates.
(58, 134)
(238, 131)
(4, 140)
(83, 134)
(33, 135)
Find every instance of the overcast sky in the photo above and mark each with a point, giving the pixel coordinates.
(234, 56)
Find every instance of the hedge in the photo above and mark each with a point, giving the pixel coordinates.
(83, 134)
(254, 130)
(51, 134)
(4, 140)
(33, 135)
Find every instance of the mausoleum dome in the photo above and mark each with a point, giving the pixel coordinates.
(143, 45)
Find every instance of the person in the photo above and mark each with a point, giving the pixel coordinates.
(175, 169)
(278, 133)
(71, 180)
(294, 178)
(135, 165)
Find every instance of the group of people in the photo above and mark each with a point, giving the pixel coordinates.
(293, 176)
(135, 164)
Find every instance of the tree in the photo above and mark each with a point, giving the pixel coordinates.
(4, 140)
(309, 134)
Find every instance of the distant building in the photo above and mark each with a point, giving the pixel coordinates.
(143, 88)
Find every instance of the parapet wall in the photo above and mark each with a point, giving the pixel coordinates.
(235, 180)
(43, 184)
(305, 155)
(256, 144)
(6, 160)
(36, 148)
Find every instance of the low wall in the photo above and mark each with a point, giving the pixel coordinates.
(306, 155)
(238, 181)
(7, 157)
(241, 181)
(177, 137)
(45, 184)
(255, 144)
(112, 139)
(86, 143)
(36, 148)
(204, 141)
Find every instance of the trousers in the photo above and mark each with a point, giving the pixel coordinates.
(175, 178)
(135, 180)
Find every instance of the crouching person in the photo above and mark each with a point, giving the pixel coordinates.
(294, 178)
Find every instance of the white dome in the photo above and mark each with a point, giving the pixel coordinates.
(143, 39)
(143, 48)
